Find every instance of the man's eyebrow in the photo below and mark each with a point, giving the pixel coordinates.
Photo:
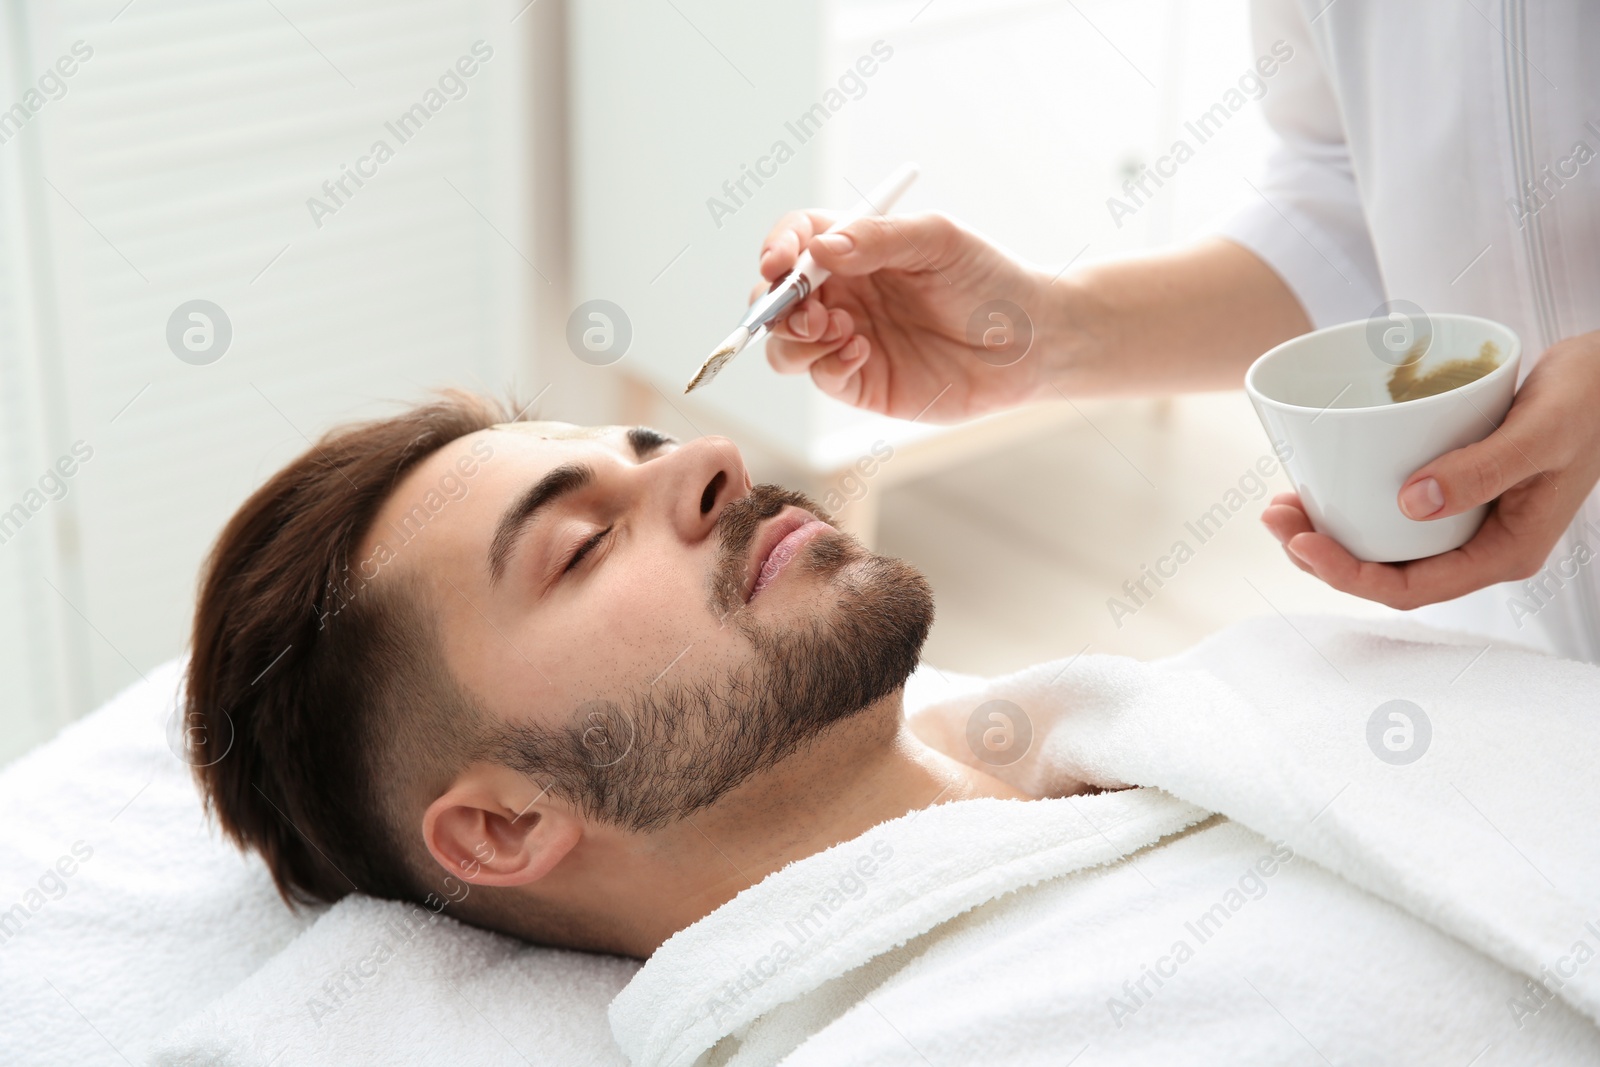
(643, 440)
(560, 482)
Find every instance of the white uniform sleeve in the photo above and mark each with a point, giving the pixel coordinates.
(1306, 221)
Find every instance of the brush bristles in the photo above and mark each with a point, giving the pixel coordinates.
(719, 359)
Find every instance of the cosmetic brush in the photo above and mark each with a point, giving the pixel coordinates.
(803, 280)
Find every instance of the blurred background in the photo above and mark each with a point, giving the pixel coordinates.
(226, 226)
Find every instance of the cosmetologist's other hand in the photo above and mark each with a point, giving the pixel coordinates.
(1537, 467)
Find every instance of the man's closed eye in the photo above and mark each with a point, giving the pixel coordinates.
(585, 548)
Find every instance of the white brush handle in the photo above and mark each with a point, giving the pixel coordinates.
(877, 202)
(804, 277)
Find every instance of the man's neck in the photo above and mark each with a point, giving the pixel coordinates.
(862, 771)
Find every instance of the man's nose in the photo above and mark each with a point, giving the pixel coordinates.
(707, 473)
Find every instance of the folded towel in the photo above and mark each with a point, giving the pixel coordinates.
(121, 911)
(1483, 826)
(376, 981)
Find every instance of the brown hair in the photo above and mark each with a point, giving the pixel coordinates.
(315, 707)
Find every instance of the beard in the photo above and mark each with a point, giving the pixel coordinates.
(673, 748)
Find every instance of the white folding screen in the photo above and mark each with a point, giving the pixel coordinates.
(346, 183)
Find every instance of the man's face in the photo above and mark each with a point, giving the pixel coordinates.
(645, 628)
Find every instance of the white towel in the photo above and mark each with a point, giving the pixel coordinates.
(375, 981)
(828, 914)
(1458, 876)
(1215, 946)
(1490, 835)
(159, 918)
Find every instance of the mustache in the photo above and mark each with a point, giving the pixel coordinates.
(736, 530)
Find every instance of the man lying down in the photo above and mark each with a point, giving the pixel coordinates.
(592, 688)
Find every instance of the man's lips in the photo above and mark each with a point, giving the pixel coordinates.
(767, 540)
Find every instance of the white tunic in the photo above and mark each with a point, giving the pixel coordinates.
(1447, 153)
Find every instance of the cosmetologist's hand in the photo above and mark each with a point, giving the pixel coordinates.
(1540, 464)
(891, 330)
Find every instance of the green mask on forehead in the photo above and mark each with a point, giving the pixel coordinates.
(561, 431)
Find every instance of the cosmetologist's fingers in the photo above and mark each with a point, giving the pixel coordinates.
(836, 373)
(785, 240)
(1492, 555)
(805, 323)
(1285, 518)
(1475, 474)
(797, 357)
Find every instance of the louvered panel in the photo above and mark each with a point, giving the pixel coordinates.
(34, 647)
(178, 166)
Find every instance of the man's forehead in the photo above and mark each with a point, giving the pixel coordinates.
(454, 459)
(555, 431)
(541, 441)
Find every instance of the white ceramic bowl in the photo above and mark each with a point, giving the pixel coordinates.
(1348, 448)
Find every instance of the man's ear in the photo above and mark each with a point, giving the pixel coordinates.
(489, 828)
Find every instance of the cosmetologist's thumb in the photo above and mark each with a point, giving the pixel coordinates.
(904, 242)
(1466, 477)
